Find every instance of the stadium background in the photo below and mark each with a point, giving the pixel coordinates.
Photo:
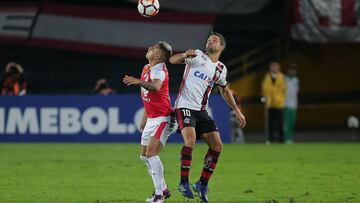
(257, 35)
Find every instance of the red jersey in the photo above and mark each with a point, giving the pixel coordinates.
(156, 103)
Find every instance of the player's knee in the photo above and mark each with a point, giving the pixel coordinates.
(151, 151)
(190, 142)
(218, 147)
(143, 157)
(143, 150)
(150, 154)
(189, 136)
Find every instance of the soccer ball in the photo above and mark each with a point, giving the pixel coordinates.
(148, 8)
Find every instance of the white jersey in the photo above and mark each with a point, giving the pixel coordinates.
(199, 77)
(292, 90)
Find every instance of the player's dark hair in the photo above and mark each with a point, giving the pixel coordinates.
(166, 53)
(222, 38)
(166, 49)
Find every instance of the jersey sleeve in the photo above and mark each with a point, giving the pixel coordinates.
(157, 74)
(222, 79)
(195, 60)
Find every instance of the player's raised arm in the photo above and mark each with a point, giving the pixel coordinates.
(228, 97)
(180, 58)
(154, 85)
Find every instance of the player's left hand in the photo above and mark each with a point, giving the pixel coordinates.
(241, 118)
(129, 80)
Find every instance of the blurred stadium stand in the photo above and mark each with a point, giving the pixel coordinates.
(328, 73)
(53, 71)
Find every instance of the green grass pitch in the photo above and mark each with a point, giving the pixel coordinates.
(110, 173)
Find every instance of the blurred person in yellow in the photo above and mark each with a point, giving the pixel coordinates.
(274, 90)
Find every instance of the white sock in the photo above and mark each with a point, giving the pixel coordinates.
(146, 161)
(157, 171)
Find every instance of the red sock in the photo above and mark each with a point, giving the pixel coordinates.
(186, 156)
(210, 161)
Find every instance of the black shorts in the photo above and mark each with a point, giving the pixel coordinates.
(200, 120)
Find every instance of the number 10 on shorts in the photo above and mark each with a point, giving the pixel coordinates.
(186, 112)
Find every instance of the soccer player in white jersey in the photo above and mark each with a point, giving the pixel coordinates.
(202, 72)
(156, 122)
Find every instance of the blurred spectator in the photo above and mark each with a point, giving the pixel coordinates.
(273, 90)
(291, 102)
(14, 81)
(237, 134)
(353, 124)
(102, 87)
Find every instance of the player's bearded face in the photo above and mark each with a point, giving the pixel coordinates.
(213, 44)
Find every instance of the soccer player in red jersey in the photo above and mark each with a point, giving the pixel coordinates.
(156, 123)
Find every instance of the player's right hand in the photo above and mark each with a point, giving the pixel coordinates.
(190, 53)
(129, 80)
(142, 125)
(241, 119)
